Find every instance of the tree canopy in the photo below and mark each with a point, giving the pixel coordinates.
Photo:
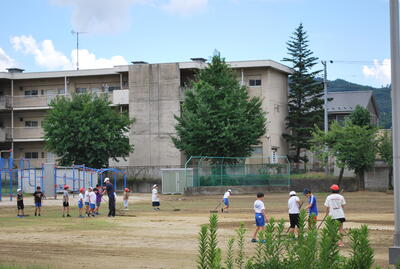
(84, 129)
(218, 118)
(360, 116)
(305, 95)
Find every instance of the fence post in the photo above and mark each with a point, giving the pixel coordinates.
(1, 185)
(124, 180)
(11, 186)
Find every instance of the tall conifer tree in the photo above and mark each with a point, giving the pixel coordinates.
(305, 95)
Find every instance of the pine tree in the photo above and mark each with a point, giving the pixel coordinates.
(305, 95)
(218, 117)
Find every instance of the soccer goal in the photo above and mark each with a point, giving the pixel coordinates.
(239, 171)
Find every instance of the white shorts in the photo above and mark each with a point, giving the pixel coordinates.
(125, 203)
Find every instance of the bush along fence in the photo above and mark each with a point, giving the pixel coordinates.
(310, 249)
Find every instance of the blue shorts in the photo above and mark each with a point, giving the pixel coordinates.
(92, 206)
(38, 204)
(80, 204)
(98, 204)
(226, 201)
(260, 220)
(86, 203)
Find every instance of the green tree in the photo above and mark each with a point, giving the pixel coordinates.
(305, 95)
(385, 150)
(352, 146)
(84, 129)
(360, 116)
(218, 118)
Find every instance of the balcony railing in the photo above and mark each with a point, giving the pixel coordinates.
(5, 134)
(5, 102)
(28, 101)
(28, 133)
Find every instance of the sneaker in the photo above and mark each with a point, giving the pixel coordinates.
(158, 208)
(39, 214)
(68, 215)
(35, 214)
(263, 241)
(254, 240)
(81, 216)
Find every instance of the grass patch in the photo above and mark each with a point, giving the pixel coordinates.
(313, 175)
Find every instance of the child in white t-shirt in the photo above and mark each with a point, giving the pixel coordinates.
(294, 211)
(86, 200)
(225, 199)
(126, 198)
(334, 204)
(155, 198)
(259, 211)
(92, 202)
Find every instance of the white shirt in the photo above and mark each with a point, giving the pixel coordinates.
(65, 196)
(293, 206)
(335, 202)
(227, 194)
(258, 206)
(154, 195)
(92, 197)
(86, 198)
(81, 197)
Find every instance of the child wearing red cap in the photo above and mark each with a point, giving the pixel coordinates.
(65, 201)
(80, 201)
(334, 204)
(126, 198)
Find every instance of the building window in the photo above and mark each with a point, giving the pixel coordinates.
(61, 91)
(96, 90)
(31, 92)
(31, 155)
(42, 155)
(274, 158)
(257, 150)
(31, 123)
(80, 90)
(254, 82)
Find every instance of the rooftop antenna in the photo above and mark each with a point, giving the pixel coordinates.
(77, 46)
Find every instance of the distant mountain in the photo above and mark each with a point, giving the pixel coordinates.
(382, 96)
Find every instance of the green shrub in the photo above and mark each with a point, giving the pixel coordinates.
(310, 249)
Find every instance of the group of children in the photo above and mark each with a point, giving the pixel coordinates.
(89, 201)
(334, 205)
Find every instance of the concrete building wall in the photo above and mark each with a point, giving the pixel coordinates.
(154, 100)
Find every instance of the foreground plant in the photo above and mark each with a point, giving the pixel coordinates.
(310, 249)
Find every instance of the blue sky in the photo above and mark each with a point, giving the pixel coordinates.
(36, 34)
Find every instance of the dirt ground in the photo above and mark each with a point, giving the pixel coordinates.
(162, 239)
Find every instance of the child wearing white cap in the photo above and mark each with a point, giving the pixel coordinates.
(155, 198)
(225, 199)
(294, 211)
(20, 203)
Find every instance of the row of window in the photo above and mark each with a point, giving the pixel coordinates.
(34, 92)
(33, 155)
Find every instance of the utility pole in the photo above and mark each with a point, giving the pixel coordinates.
(77, 46)
(394, 252)
(326, 111)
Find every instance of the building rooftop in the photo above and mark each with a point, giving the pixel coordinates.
(347, 101)
(125, 68)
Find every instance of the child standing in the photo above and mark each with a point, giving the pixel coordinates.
(65, 201)
(226, 200)
(99, 195)
(126, 198)
(334, 204)
(312, 207)
(80, 201)
(20, 203)
(86, 199)
(155, 198)
(261, 218)
(92, 202)
(38, 196)
(294, 211)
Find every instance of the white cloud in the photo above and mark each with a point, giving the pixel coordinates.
(45, 54)
(380, 71)
(5, 61)
(48, 57)
(88, 60)
(99, 16)
(186, 7)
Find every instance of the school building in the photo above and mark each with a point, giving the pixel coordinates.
(152, 93)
